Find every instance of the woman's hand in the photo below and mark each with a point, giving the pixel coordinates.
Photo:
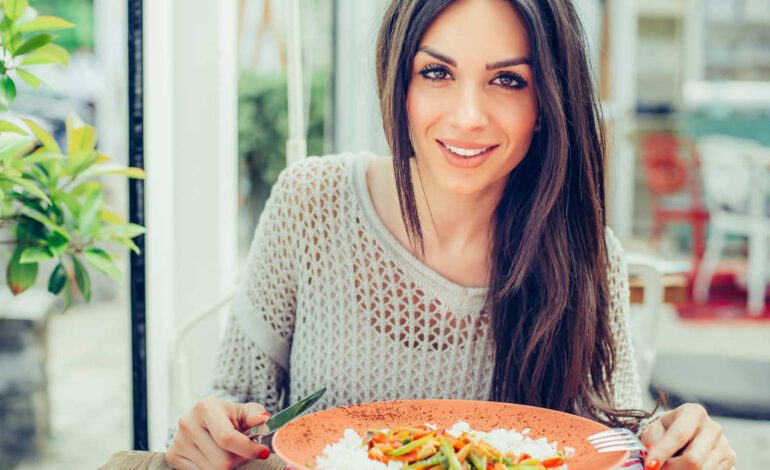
(210, 437)
(689, 429)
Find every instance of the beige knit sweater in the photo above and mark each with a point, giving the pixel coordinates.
(332, 299)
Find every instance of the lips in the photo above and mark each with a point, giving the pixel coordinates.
(464, 147)
(465, 155)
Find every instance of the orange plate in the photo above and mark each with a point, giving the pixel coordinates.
(305, 438)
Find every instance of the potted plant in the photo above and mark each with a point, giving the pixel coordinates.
(52, 211)
(51, 199)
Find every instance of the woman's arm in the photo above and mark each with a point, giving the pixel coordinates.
(626, 390)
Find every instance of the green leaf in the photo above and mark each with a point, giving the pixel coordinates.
(7, 126)
(85, 188)
(80, 161)
(57, 280)
(131, 245)
(112, 169)
(37, 216)
(49, 143)
(14, 9)
(67, 294)
(33, 43)
(45, 23)
(125, 231)
(82, 278)
(43, 157)
(30, 187)
(29, 77)
(111, 217)
(89, 213)
(49, 54)
(15, 149)
(8, 88)
(102, 261)
(81, 138)
(20, 276)
(57, 243)
(35, 254)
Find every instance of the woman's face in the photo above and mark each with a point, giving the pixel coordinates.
(471, 102)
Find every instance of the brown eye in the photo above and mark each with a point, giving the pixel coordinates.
(510, 80)
(435, 73)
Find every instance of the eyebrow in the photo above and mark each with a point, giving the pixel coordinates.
(492, 66)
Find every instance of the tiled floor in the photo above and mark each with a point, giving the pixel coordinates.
(90, 383)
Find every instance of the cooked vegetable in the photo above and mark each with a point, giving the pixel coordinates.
(426, 449)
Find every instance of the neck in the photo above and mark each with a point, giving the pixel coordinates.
(453, 222)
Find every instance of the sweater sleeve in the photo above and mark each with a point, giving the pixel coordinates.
(626, 389)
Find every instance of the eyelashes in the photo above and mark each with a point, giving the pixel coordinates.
(508, 80)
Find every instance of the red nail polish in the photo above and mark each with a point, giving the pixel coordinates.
(266, 414)
(265, 453)
(648, 446)
(653, 464)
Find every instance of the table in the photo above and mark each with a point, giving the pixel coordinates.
(674, 289)
(137, 460)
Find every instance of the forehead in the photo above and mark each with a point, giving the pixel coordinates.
(484, 30)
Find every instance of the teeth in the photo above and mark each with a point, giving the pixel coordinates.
(465, 152)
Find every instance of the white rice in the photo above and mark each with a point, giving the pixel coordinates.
(350, 452)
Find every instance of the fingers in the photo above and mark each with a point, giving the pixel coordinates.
(185, 447)
(653, 432)
(183, 454)
(221, 427)
(217, 457)
(700, 448)
(681, 426)
(252, 414)
(722, 456)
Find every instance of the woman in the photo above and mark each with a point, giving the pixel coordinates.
(474, 263)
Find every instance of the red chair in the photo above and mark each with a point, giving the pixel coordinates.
(672, 173)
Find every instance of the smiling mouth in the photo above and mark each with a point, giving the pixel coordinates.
(466, 153)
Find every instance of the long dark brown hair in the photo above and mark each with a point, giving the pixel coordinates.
(548, 289)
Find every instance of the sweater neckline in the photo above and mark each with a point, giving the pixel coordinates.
(442, 286)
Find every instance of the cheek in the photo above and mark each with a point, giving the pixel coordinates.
(517, 118)
(422, 109)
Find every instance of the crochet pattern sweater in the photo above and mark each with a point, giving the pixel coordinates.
(332, 299)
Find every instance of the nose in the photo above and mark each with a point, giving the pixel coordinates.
(469, 110)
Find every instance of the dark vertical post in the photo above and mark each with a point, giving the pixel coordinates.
(136, 215)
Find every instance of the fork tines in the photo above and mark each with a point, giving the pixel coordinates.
(615, 440)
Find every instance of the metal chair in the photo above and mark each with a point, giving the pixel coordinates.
(734, 180)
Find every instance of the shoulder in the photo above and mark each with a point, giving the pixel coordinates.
(319, 173)
(614, 247)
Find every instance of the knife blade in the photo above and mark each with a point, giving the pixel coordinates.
(260, 432)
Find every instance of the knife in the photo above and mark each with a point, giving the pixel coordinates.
(263, 432)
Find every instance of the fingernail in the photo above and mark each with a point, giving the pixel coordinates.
(266, 414)
(648, 446)
(653, 464)
(265, 453)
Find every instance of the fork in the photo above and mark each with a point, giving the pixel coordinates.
(617, 439)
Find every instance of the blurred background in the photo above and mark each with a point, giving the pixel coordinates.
(685, 87)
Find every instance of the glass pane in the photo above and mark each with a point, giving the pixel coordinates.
(262, 96)
(65, 377)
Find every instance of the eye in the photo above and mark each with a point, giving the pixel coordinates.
(510, 80)
(435, 72)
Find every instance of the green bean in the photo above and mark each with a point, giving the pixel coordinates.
(452, 460)
(435, 459)
(405, 449)
(480, 463)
